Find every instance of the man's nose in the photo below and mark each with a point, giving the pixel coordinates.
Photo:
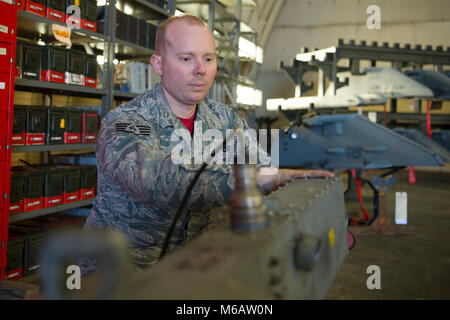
(200, 67)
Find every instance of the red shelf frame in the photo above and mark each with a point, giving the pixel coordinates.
(10, 21)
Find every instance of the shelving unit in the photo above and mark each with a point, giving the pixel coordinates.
(114, 48)
(327, 63)
(48, 87)
(327, 60)
(149, 11)
(8, 41)
(225, 24)
(42, 212)
(35, 28)
(125, 50)
(52, 147)
(126, 95)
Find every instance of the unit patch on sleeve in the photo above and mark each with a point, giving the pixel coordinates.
(134, 129)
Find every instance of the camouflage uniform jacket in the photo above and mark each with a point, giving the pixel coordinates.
(139, 188)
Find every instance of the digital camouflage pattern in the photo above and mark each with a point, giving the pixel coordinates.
(139, 187)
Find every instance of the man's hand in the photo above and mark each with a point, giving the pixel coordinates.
(271, 179)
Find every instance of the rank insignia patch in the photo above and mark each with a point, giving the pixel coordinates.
(132, 128)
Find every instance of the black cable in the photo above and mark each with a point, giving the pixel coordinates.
(376, 202)
(178, 213)
(186, 196)
(349, 182)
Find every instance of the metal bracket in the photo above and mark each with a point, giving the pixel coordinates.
(296, 72)
(383, 224)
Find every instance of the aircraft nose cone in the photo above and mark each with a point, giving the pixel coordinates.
(419, 90)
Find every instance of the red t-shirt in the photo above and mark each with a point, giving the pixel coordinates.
(189, 123)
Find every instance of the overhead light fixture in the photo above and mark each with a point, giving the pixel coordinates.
(248, 49)
(100, 60)
(128, 10)
(248, 96)
(258, 97)
(259, 54)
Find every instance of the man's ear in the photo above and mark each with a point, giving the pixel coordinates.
(156, 64)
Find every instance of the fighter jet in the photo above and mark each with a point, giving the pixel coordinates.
(299, 103)
(372, 87)
(384, 81)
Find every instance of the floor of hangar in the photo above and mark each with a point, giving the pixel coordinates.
(412, 266)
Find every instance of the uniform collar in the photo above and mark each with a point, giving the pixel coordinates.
(169, 119)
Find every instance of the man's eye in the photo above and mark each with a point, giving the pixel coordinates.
(185, 58)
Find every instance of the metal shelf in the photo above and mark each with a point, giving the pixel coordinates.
(246, 30)
(244, 3)
(124, 94)
(52, 147)
(42, 212)
(125, 50)
(245, 81)
(141, 10)
(406, 54)
(225, 21)
(241, 80)
(223, 76)
(47, 86)
(226, 51)
(30, 25)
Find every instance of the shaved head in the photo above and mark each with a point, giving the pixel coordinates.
(161, 34)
